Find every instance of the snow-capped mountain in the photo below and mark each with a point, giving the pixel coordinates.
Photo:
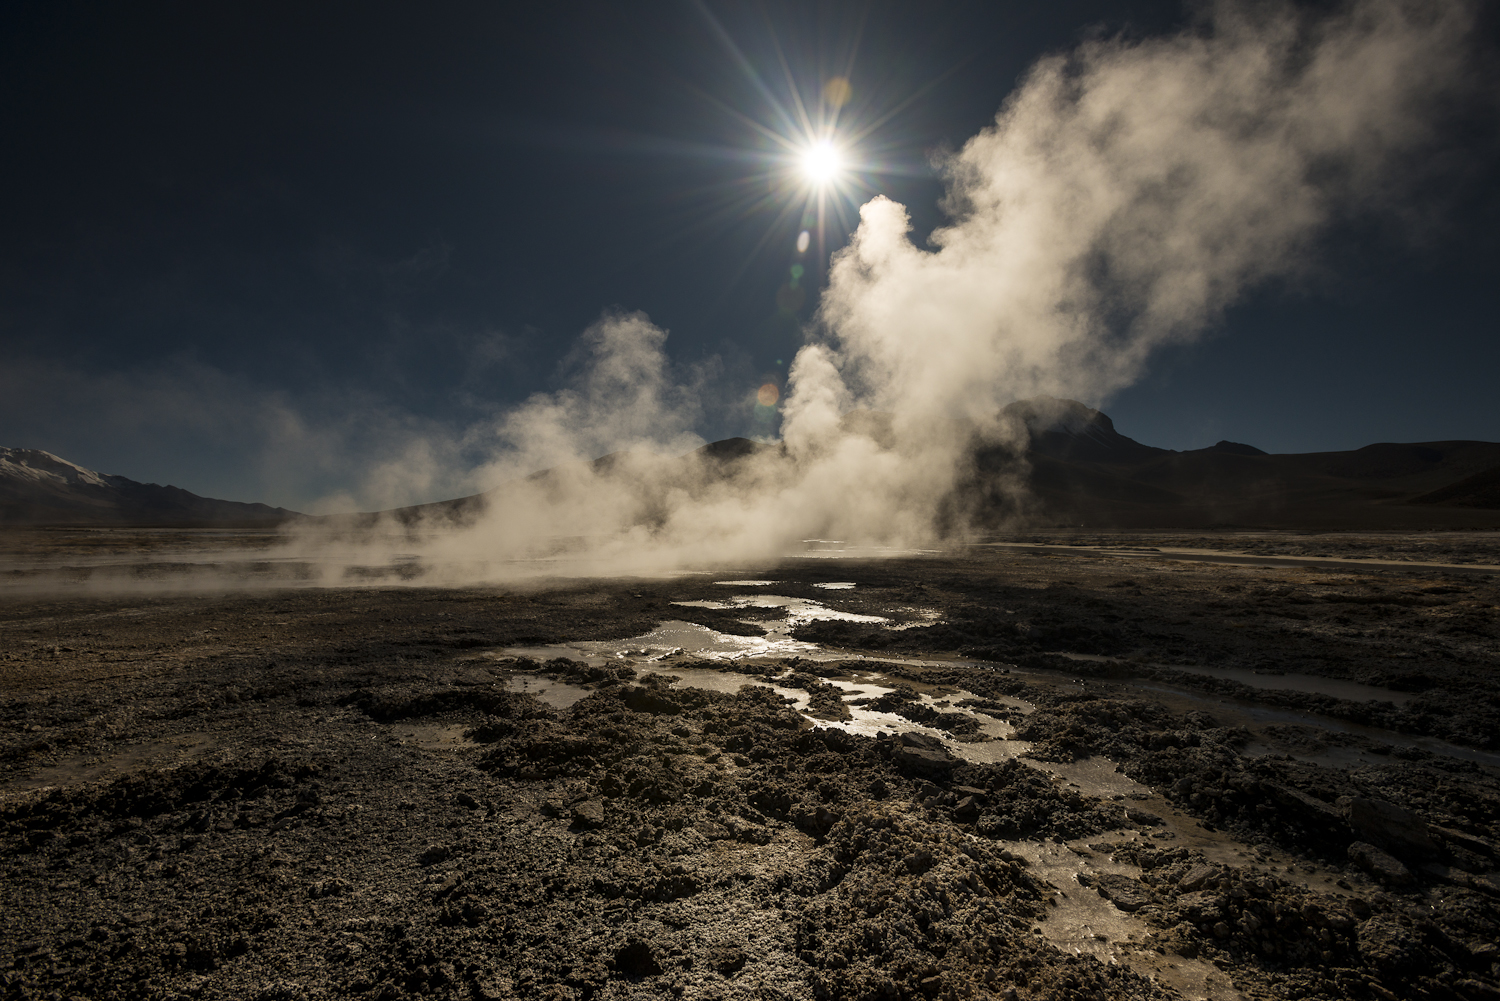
(39, 488)
(50, 472)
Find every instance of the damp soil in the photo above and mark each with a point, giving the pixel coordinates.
(515, 793)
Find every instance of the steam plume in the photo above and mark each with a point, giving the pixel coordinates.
(1126, 194)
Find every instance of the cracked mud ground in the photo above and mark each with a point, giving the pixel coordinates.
(331, 793)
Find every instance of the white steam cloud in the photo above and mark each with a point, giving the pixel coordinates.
(1126, 194)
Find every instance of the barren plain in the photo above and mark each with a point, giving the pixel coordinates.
(1062, 767)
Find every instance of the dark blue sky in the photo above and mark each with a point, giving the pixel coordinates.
(246, 244)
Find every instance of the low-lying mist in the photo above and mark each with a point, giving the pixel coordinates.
(1127, 193)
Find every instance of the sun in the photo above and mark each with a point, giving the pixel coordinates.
(809, 147)
(821, 163)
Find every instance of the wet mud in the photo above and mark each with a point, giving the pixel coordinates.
(752, 784)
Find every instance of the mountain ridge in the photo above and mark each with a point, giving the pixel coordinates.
(39, 488)
(1077, 468)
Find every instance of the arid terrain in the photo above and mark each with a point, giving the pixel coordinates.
(1046, 767)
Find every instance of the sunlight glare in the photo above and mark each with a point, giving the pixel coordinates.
(821, 163)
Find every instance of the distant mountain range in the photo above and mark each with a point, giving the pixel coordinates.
(1078, 470)
(38, 488)
(1083, 471)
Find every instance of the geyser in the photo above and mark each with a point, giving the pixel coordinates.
(1127, 192)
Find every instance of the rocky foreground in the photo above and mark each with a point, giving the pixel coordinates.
(358, 793)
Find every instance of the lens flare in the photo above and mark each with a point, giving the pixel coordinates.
(803, 239)
(837, 91)
(821, 162)
(767, 395)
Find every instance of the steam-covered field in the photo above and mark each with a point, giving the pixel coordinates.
(1009, 771)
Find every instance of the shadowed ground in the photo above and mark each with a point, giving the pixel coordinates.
(359, 792)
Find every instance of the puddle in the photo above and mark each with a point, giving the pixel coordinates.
(746, 583)
(727, 681)
(924, 617)
(835, 549)
(675, 639)
(660, 651)
(1097, 777)
(1084, 923)
(557, 694)
(842, 585)
(562, 694)
(869, 722)
(1351, 691)
(1081, 921)
(669, 639)
(799, 611)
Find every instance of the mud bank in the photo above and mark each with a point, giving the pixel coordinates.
(382, 794)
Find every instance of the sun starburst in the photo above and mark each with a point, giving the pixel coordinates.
(802, 146)
(821, 163)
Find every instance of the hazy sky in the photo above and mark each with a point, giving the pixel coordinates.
(252, 249)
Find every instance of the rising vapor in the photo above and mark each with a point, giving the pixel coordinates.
(1126, 194)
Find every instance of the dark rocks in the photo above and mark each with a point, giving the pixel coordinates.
(1125, 893)
(1380, 865)
(660, 841)
(637, 959)
(1387, 826)
(329, 888)
(589, 813)
(435, 854)
(645, 700)
(727, 960)
(1475, 990)
(961, 726)
(922, 910)
(1393, 946)
(1306, 809)
(925, 759)
(825, 701)
(967, 809)
(922, 753)
(399, 702)
(1197, 877)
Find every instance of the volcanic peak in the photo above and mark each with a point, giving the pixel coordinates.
(1066, 429)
